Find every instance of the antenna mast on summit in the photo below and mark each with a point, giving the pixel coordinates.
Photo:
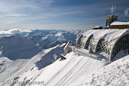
(112, 9)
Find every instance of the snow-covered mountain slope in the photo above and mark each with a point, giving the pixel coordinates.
(53, 54)
(50, 38)
(114, 74)
(60, 73)
(15, 47)
(21, 55)
(44, 38)
(24, 62)
(76, 71)
(68, 70)
(12, 70)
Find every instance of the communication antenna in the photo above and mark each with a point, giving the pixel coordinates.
(112, 9)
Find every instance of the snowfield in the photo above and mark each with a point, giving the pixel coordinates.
(60, 73)
(114, 74)
(15, 69)
(74, 71)
(32, 58)
(15, 47)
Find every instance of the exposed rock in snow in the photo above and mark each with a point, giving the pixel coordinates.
(50, 38)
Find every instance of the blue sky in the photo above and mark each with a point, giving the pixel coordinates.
(59, 14)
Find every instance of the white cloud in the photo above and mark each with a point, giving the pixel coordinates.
(15, 13)
(22, 6)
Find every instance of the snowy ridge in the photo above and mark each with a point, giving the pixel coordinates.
(21, 58)
(62, 73)
(50, 38)
(78, 71)
(45, 64)
(20, 67)
(53, 54)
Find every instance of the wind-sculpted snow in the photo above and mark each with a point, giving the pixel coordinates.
(114, 74)
(74, 71)
(60, 73)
